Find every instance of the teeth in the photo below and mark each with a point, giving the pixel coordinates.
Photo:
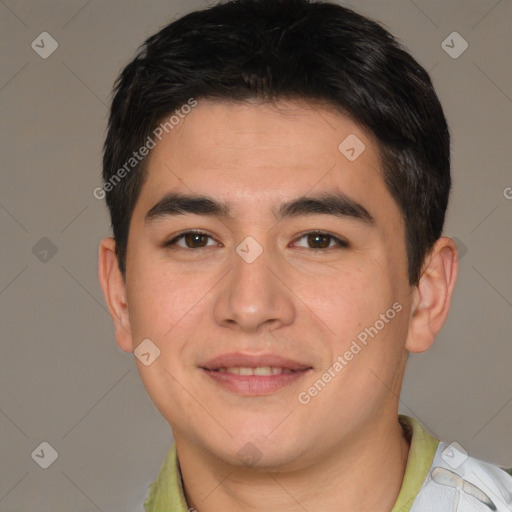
(263, 370)
(260, 370)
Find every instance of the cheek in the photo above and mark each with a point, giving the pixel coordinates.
(170, 305)
(347, 300)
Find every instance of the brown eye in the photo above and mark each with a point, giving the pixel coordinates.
(190, 239)
(321, 240)
(194, 240)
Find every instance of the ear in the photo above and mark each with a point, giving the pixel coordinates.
(114, 290)
(432, 295)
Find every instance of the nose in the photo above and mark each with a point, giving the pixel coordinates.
(254, 296)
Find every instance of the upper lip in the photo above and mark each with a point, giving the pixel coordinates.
(237, 359)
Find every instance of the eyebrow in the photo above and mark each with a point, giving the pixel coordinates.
(336, 204)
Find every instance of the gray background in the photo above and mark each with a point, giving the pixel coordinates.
(62, 378)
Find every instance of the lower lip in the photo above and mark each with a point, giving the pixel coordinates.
(255, 385)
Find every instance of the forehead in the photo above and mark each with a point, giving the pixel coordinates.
(253, 152)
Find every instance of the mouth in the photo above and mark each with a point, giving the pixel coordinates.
(254, 375)
(257, 364)
(259, 370)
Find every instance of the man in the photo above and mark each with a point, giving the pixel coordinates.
(277, 173)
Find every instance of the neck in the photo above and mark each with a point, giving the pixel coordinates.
(365, 473)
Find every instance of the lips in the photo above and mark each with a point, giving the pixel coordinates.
(239, 360)
(251, 375)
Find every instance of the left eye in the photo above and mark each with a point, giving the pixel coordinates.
(321, 240)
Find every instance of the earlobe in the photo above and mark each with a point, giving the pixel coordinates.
(432, 295)
(114, 291)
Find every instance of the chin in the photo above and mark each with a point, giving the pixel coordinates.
(260, 451)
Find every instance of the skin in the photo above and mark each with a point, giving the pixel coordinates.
(345, 449)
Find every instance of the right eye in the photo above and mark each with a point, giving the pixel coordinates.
(192, 239)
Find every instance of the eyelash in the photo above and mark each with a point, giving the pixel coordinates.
(342, 244)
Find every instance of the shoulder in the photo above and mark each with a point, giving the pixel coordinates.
(458, 481)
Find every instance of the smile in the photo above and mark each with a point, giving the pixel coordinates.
(260, 370)
(259, 381)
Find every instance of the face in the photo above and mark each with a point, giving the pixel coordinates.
(266, 280)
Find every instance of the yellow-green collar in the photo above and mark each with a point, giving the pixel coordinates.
(421, 454)
(166, 493)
